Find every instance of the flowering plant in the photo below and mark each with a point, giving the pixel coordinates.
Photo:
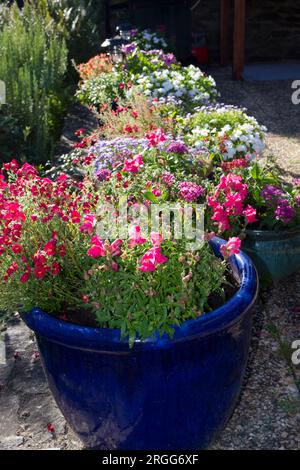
(250, 195)
(105, 88)
(227, 132)
(147, 39)
(52, 257)
(187, 83)
(97, 65)
(161, 155)
(138, 115)
(140, 62)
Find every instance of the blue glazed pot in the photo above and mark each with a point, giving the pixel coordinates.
(164, 393)
(276, 255)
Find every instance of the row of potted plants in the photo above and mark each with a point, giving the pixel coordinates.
(143, 328)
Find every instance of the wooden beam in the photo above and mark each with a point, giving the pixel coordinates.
(239, 39)
(225, 36)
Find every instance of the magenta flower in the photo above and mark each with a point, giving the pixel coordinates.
(133, 165)
(220, 217)
(250, 214)
(154, 138)
(115, 249)
(190, 191)
(151, 259)
(135, 237)
(232, 247)
(89, 223)
(97, 249)
(168, 179)
(234, 203)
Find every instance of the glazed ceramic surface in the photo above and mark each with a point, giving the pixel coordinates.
(276, 255)
(162, 394)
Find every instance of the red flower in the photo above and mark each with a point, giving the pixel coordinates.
(75, 217)
(24, 278)
(39, 271)
(62, 250)
(55, 269)
(50, 248)
(16, 248)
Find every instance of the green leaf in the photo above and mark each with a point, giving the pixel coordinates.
(150, 196)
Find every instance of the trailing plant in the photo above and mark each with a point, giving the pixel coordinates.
(53, 257)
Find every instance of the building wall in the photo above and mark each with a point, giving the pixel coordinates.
(272, 28)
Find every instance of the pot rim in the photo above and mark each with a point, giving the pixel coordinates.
(272, 234)
(108, 339)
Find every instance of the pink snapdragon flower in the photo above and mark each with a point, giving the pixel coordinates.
(250, 214)
(132, 165)
(115, 247)
(156, 238)
(97, 249)
(234, 203)
(135, 236)
(89, 223)
(232, 247)
(151, 259)
(154, 138)
(220, 216)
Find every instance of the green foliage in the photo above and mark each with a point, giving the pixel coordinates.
(101, 90)
(33, 63)
(219, 118)
(144, 303)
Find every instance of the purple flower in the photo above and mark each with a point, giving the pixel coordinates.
(177, 147)
(111, 153)
(297, 201)
(190, 191)
(168, 179)
(272, 193)
(127, 48)
(133, 33)
(284, 211)
(168, 59)
(103, 175)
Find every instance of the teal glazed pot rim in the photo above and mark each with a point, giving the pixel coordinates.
(273, 234)
(108, 339)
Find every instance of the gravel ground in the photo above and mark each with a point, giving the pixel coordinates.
(268, 413)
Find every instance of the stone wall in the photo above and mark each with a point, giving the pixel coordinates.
(272, 28)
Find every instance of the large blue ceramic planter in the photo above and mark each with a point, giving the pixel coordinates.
(276, 255)
(161, 394)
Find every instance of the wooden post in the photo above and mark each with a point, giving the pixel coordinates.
(225, 38)
(239, 39)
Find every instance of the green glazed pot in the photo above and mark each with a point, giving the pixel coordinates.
(276, 255)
